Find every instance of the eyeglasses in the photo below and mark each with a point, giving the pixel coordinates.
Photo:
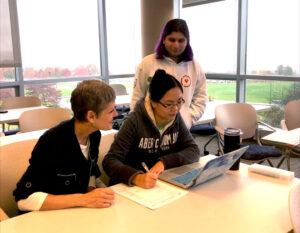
(169, 106)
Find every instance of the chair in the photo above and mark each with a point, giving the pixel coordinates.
(243, 116)
(13, 163)
(119, 89)
(294, 207)
(122, 110)
(105, 143)
(43, 118)
(204, 130)
(291, 121)
(291, 115)
(3, 215)
(19, 102)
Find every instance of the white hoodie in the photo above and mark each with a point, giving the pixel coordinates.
(189, 74)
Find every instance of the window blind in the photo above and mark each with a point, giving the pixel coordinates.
(10, 55)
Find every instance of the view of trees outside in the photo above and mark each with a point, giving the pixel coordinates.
(50, 94)
(7, 74)
(49, 72)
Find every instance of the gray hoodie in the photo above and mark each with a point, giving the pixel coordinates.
(139, 140)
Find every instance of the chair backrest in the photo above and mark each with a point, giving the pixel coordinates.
(43, 118)
(3, 215)
(105, 143)
(20, 102)
(120, 89)
(237, 115)
(13, 163)
(292, 114)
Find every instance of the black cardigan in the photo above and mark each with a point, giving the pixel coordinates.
(57, 165)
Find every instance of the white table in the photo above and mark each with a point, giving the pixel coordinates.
(235, 202)
(209, 113)
(35, 135)
(123, 100)
(13, 115)
(287, 140)
(20, 137)
(283, 138)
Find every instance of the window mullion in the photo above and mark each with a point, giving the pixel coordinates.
(241, 51)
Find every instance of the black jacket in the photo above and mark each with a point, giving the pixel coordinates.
(57, 165)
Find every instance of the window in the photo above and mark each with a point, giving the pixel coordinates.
(59, 38)
(273, 37)
(52, 94)
(123, 36)
(271, 92)
(213, 32)
(221, 90)
(7, 74)
(275, 93)
(127, 82)
(6, 92)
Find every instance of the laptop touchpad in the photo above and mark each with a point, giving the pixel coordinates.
(183, 169)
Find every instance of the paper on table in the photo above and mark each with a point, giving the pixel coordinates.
(291, 137)
(153, 198)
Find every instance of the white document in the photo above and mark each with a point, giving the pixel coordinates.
(291, 137)
(153, 198)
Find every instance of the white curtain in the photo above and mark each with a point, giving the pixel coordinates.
(10, 55)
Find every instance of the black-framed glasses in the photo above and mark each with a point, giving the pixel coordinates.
(169, 106)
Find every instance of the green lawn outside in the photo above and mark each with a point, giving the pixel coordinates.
(66, 88)
(221, 90)
(256, 91)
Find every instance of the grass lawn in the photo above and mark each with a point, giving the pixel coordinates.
(256, 91)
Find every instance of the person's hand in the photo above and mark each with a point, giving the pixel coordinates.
(98, 198)
(146, 180)
(158, 168)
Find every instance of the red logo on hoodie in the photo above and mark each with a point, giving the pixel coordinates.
(186, 81)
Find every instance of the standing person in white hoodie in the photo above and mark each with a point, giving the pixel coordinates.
(174, 54)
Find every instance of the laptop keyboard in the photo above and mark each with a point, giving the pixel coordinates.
(187, 177)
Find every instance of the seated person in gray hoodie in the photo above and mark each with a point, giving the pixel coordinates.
(153, 134)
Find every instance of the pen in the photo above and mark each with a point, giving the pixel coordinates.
(145, 166)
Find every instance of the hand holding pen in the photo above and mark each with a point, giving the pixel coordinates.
(146, 180)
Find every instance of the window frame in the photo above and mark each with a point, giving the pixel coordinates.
(240, 77)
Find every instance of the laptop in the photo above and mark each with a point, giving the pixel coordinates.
(191, 175)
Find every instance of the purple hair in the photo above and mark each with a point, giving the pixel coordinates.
(174, 25)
